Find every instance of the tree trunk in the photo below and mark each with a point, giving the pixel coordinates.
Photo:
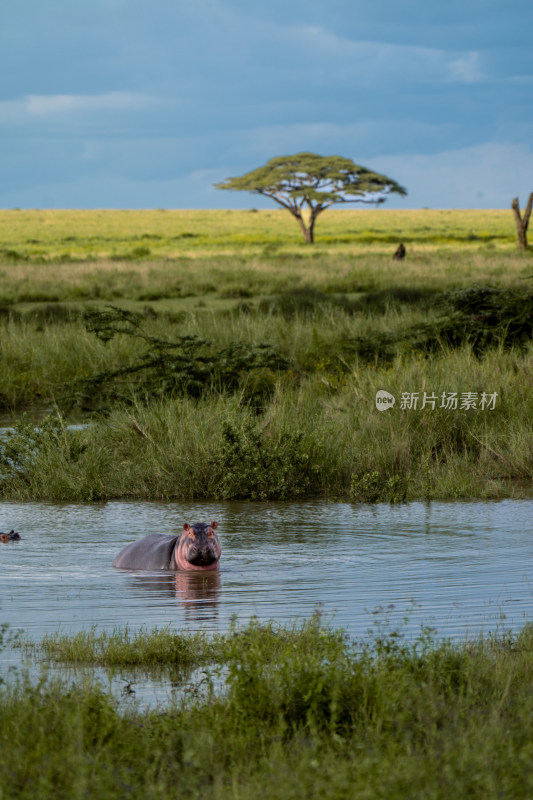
(522, 222)
(307, 230)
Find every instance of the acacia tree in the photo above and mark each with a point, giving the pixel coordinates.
(306, 184)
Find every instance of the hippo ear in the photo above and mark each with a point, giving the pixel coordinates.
(214, 524)
(186, 526)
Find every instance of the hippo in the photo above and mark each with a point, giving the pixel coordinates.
(9, 537)
(196, 548)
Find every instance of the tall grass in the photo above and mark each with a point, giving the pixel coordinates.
(38, 363)
(222, 278)
(319, 435)
(305, 713)
(316, 333)
(344, 319)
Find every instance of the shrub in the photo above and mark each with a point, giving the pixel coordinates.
(254, 466)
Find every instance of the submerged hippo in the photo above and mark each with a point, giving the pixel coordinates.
(196, 548)
(9, 537)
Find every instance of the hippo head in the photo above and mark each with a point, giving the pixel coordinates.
(198, 547)
(9, 537)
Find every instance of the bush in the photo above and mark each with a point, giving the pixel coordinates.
(371, 487)
(254, 466)
(186, 366)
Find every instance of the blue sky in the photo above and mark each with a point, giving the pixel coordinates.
(136, 104)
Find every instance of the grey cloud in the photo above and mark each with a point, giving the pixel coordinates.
(146, 95)
(487, 175)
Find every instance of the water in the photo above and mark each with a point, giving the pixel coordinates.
(463, 568)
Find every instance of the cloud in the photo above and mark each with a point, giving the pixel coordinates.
(34, 106)
(147, 97)
(484, 176)
(375, 60)
(466, 68)
(65, 103)
(105, 190)
(487, 175)
(362, 141)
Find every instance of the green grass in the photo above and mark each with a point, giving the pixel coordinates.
(309, 430)
(154, 256)
(305, 713)
(318, 435)
(181, 284)
(132, 235)
(208, 418)
(125, 648)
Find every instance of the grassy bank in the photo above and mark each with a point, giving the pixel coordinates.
(280, 405)
(306, 713)
(231, 370)
(321, 435)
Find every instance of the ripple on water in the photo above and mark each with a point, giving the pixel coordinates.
(458, 566)
(463, 568)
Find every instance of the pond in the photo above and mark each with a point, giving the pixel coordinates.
(460, 567)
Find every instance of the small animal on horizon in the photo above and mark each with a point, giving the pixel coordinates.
(399, 255)
(9, 537)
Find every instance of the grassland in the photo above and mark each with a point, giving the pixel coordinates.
(157, 256)
(305, 713)
(252, 366)
(50, 235)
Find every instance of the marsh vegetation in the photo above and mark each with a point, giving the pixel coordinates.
(302, 711)
(236, 364)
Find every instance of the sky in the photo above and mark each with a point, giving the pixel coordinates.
(136, 104)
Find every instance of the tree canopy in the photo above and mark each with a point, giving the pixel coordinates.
(307, 184)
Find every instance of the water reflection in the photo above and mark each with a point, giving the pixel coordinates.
(197, 593)
(466, 566)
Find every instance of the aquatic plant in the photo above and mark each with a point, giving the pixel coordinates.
(305, 712)
(123, 647)
(371, 487)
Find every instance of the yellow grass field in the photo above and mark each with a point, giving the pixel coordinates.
(103, 234)
(180, 259)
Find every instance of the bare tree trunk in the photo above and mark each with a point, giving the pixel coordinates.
(307, 230)
(311, 230)
(522, 222)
